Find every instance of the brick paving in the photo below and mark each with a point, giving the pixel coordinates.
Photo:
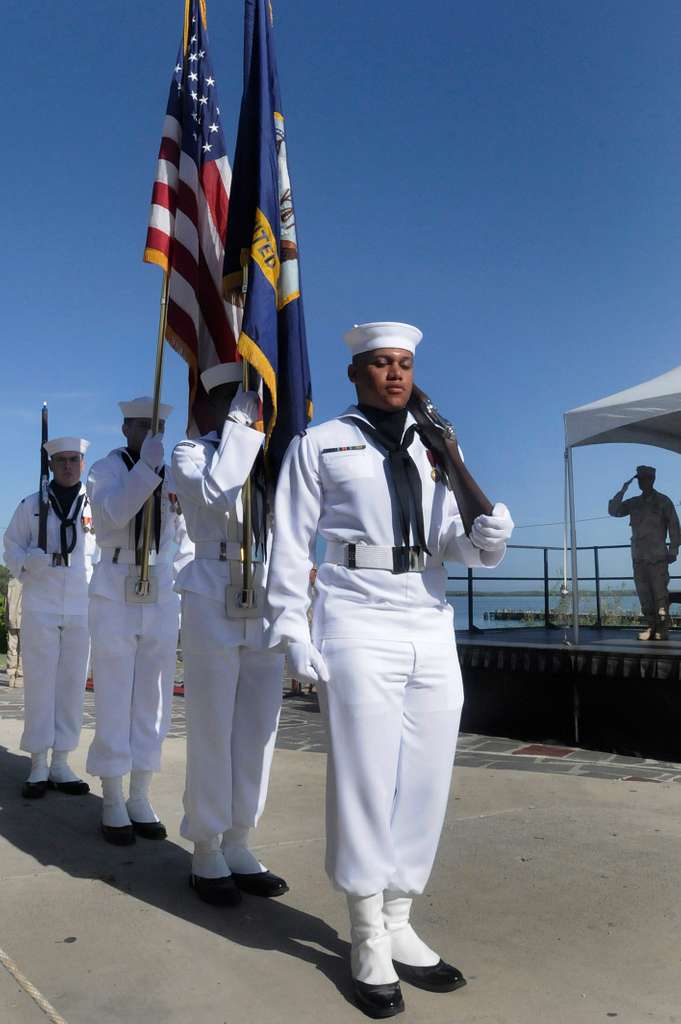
(301, 728)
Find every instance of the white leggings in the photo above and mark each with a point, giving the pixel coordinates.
(232, 702)
(55, 650)
(392, 712)
(133, 668)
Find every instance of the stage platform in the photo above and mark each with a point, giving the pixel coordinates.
(611, 691)
(613, 638)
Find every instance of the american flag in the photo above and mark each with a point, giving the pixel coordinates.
(188, 221)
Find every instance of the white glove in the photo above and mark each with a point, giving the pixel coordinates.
(491, 533)
(37, 562)
(152, 451)
(244, 408)
(306, 663)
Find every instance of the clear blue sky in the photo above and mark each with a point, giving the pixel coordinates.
(505, 175)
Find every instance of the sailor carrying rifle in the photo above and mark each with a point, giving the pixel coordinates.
(373, 484)
(55, 570)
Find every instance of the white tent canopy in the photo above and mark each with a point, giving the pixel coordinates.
(649, 413)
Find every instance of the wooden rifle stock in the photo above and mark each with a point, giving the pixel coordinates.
(43, 500)
(439, 436)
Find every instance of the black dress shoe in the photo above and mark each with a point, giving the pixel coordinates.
(262, 883)
(150, 829)
(378, 1001)
(33, 790)
(78, 788)
(221, 892)
(441, 977)
(121, 835)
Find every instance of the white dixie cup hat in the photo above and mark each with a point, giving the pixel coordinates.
(222, 373)
(66, 444)
(382, 334)
(143, 408)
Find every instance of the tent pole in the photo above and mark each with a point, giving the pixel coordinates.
(573, 546)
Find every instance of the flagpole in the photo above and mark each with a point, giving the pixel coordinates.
(143, 588)
(247, 593)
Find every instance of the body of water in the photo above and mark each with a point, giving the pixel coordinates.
(485, 604)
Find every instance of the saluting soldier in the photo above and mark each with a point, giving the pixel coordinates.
(382, 653)
(653, 519)
(55, 644)
(134, 642)
(233, 687)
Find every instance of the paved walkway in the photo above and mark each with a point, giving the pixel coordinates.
(301, 729)
(556, 890)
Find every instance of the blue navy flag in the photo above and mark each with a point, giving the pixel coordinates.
(261, 252)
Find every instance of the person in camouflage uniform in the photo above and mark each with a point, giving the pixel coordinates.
(653, 519)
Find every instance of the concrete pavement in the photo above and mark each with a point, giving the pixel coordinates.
(557, 894)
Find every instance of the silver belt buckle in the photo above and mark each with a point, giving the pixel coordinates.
(137, 592)
(417, 560)
(407, 560)
(244, 604)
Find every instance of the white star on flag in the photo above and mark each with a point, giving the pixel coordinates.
(210, 81)
(213, 127)
(203, 100)
(206, 147)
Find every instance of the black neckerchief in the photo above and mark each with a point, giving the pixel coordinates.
(61, 500)
(130, 459)
(386, 430)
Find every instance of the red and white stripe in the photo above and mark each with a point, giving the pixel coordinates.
(186, 237)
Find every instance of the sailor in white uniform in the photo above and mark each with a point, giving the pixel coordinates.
(233, 687)
(133, 643)
(382, 654)
(54, 630)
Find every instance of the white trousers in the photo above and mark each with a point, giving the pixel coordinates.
(232, 703)
(55, 650)
(392, 711)
(133, 668)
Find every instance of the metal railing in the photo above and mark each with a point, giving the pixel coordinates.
(470, 578)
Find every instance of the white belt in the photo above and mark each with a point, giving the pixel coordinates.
(375, 556)
(219, 550)
(125, 556)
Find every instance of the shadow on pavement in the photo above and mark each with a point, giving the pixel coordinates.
(63, 832)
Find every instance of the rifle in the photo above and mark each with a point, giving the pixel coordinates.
(43, 501)
(439, 436)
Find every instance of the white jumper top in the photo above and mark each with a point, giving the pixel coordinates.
(63, 589)
(333, 486)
